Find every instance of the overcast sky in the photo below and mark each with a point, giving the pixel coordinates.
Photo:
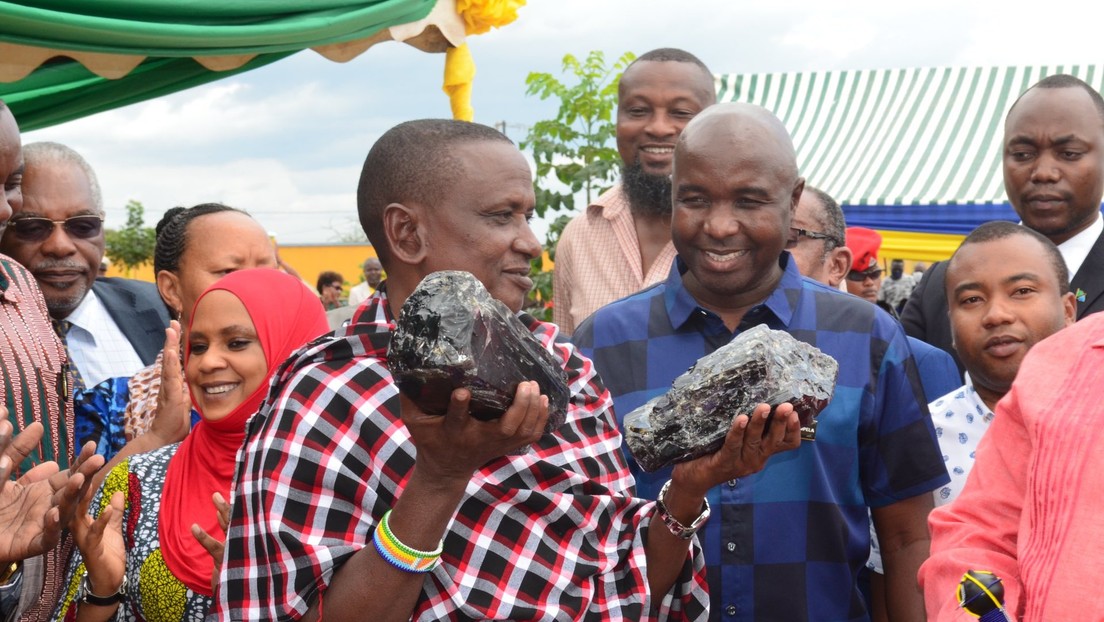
(286, 142)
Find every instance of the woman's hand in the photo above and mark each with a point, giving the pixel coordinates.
(213, 545)
(174, 409)
(100, 541)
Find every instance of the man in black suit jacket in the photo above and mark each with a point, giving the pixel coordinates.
(1054, 177)
(58, 235)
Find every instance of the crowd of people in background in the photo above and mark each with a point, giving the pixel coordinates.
(228, 443)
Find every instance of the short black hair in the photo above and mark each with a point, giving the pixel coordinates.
(1001, 229)
(674, 55)
(830, 219)
(1066, 81)
(413, 162)
(172, 233)
(665, 55)
(327, 277)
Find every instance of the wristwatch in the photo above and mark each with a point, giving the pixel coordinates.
(85, 595)
(677, 528)
(9, 572)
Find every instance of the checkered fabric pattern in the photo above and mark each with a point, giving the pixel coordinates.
(550, 535)
(788, 542)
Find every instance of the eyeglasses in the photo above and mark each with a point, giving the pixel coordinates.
(37, 229)
(796, 233)
(859, 277)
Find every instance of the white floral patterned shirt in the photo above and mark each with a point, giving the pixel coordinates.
(960, 419)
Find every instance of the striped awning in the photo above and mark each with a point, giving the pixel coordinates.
(904, 149)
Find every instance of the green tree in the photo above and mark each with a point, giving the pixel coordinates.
(575, 152)
(133, 245)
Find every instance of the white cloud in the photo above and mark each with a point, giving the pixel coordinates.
(298, 205)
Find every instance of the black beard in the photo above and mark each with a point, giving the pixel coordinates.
(649, 195)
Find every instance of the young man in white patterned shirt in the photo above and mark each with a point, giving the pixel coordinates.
(1007, 288)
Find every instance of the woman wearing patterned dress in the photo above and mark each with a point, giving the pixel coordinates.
(142, 558)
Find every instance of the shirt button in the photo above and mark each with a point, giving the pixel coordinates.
(730, 610)
(731, 483)
(731, 547)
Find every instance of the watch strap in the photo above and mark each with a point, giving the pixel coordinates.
(86, 596)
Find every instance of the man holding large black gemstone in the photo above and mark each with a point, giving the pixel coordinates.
(353, 502)
(793, 537)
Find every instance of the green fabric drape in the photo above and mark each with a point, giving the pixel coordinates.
(168, 33)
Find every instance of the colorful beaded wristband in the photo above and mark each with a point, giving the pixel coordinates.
(400, 555)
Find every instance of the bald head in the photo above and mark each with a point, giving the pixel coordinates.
(752, 129)
(736, 187)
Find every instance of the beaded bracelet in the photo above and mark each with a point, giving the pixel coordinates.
(400, 555)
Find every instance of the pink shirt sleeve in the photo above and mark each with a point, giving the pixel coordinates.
(980, 529)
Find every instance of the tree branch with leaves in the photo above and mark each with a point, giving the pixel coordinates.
(133, 245)
(575, 152)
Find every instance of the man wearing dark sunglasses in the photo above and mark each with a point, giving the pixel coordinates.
(58, 234)
(817, 238)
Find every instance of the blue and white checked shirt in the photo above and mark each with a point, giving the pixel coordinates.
(786, 543)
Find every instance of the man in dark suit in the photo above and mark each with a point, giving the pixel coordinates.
(1054, 177)
(58, 235)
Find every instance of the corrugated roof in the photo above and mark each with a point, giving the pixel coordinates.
(899, 136)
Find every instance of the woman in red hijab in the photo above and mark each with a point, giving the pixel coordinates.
(140, 558)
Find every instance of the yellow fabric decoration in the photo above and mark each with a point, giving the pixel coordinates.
(459, 73)
(479, 16)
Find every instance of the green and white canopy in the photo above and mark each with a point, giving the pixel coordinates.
(903, 149)
(63, 59)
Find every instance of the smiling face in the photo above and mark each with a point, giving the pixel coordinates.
(226, 362)
(64, 265)
(373, 272)
(1053, 167)
(735, 190)
(656, 99)
(482, 223)
(1004, 298)
(216, 245)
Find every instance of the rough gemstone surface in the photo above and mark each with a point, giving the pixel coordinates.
(759, 366)
(450, 334)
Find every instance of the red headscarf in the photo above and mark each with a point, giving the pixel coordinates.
(286, 315)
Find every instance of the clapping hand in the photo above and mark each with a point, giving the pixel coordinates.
(35, 507)
(100, 541)
(174, 409)
(213, 545)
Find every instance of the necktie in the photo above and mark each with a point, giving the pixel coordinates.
(72, 374)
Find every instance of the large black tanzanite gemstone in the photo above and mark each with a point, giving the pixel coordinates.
(450, 334)
(759, 366)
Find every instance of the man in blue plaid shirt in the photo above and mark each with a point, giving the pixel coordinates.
(792, 538)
